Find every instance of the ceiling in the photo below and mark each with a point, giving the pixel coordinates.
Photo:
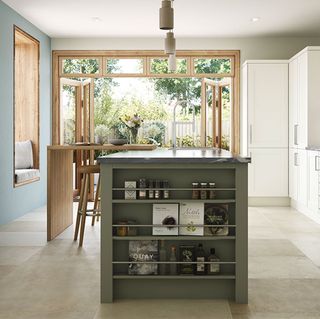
(193, 18)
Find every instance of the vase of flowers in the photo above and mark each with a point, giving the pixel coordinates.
(133, 123)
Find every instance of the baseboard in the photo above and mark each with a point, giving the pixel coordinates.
(305, 211)
(269, 201)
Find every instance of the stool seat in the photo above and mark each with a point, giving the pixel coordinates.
(83, 210)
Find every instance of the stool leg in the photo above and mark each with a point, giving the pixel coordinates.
(96, 202)
(84, 208)
(76, 231)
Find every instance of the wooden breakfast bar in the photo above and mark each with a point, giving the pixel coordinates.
(60, 181)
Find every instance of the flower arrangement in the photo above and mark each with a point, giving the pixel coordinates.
(133, 123)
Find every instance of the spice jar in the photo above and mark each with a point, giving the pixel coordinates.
(142, 186)
(165, 185)
(195, 190)
(203, 191)
(212, 192)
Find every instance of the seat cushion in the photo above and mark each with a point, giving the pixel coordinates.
(23, 155)
(23, 175)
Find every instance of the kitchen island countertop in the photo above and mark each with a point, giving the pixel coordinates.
(194, 155)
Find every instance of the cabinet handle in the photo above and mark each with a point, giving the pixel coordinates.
(316, 163)
(250, 133)
(296, 159)
(296, 134)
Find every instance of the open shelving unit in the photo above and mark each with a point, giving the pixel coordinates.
(230, 283)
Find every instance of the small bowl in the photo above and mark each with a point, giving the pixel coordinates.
(118, 141)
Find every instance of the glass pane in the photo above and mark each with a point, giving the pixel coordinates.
(160, 66)
(68, 122)
(80, 66)
(209, 66)
(128, 66)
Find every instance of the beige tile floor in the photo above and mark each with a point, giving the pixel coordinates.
(58, 280)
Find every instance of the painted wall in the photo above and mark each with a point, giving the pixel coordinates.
(251, 48)
(15, 202)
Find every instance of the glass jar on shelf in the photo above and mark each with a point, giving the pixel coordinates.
(212, 191)
(203, 191)
(195, 190)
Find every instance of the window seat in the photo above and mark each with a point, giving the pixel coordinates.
(23, 175)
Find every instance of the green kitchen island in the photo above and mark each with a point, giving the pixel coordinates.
(181, 169)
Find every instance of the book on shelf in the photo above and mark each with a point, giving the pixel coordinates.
(191, 214)
(216, 214)
(143, 250)
(167, 215)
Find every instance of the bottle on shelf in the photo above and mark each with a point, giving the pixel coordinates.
(213, 269)
(200, 259)
(151, 190)
(173, 258)
(165, 185)
(157, 191)
(162, 257)
(142, 186)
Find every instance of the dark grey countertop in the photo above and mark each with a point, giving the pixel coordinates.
(186, 156)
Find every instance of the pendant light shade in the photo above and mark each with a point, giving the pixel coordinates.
(166, 15)
(170, 43)
(172, 63)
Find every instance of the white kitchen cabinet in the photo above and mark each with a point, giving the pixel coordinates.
(268, 172)
(313, 180)
(304, 97)
(302, 163)
(267, 103)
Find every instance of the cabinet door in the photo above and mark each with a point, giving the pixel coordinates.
(293, 174)
(313, 180)
(293, 103)
(302, 177)
(268, 173)
(303, 101)
(268, 105)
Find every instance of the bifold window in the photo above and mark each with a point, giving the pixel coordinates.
(26, 108)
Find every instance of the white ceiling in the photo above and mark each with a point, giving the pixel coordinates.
(193, 18)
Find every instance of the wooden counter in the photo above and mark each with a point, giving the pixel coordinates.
(60, 182)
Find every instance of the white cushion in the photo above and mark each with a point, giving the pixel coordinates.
(23, 155)
(22, 175)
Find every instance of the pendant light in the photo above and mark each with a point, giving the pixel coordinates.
(172, 63)
(166, 20)
(170, 43)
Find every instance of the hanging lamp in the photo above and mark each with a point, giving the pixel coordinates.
(166, 20)
(170, 43)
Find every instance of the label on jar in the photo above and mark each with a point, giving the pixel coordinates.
(214, 268)
(200, 267)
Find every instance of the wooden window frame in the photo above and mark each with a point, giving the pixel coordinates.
(58, 55)
(36, 146)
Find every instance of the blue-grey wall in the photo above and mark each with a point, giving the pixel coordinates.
(15, 202)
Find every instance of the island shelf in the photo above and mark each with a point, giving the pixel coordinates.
(230, 175)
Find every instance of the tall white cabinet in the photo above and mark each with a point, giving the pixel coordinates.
(265, 103)
(304, 129)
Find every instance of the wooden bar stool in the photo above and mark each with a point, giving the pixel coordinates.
(83, 210)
